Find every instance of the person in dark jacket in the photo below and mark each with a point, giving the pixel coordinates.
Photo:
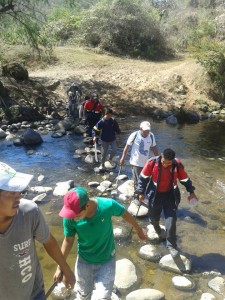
(158, 183)
(107, 128)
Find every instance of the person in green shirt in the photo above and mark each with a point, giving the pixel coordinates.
(91, 220)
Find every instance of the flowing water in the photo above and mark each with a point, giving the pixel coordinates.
(200, 229)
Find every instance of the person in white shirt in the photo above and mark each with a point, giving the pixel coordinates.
(142, 142)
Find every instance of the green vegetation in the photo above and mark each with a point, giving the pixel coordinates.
(149, 29)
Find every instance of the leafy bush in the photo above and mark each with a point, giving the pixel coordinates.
(124, 27)
(210, 54)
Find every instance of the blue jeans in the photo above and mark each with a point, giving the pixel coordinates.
(40, 296)
(98, 277)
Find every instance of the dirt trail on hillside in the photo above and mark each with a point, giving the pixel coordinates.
(136, 84)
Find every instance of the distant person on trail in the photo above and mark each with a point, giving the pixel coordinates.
(107, 128)
(158, 182)
(21, 225)
(90, 219)
(74, 95)
(81, 108)
(93, 110)
(141, 143)
(74, 88)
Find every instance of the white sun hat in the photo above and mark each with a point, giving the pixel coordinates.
(145, 125)
(13, 181)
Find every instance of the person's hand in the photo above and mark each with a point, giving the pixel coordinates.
(142, 233)
(141, 197)
(121, 161)
(193, 199)
(58, 276)
(68, 278)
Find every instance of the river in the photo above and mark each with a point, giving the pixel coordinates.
(200, 229)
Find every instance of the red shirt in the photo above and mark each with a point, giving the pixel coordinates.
(89, 106)
(151, 169)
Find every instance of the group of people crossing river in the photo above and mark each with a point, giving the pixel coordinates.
(89, 218)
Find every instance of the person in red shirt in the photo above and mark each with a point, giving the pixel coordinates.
(93, 111)
(158, 183)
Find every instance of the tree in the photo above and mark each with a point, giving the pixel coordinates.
(24, 14)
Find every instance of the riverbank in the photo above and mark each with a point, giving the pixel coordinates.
(127, 85)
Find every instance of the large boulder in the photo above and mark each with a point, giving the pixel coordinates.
(31, 137)
(16, 71)
(17, 113)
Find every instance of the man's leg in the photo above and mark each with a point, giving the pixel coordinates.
(84, 273)
(170, 213)
(113, 150)
(104, 151)
(154, 212)
(136, 172)
(104, 280)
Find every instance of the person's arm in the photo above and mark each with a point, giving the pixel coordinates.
(53, 250)
(65, 249)
(155, 151)
(130, 219)
(125, 150)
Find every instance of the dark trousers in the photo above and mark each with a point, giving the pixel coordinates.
(164, 202)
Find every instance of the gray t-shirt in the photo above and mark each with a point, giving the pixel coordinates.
(20, 272)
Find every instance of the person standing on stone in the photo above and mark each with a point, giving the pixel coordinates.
(90, 219)
(141, 142)
(158, 183)
(107, 128)
(21, 225)
(93, 110)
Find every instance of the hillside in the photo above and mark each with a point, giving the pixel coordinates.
(127, 85)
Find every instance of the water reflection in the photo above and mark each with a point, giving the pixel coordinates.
(200, 229)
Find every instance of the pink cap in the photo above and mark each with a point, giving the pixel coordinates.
(74, 200)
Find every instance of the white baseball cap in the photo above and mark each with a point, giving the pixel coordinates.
(145, 125)
(13, 181)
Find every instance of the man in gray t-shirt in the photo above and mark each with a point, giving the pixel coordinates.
(21, 223)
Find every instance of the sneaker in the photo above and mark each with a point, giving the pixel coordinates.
(173, 251)
(162, 235)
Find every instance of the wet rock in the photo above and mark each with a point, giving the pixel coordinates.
(18, 142)
(80, 130)
(93, 183)
(126, 276)
(123, 197)
(207, 296)
(60, 292)
(134, 210)
(121, 232)
(39, 198)
(106, 183)
(122, 177)
(31, 137)
(64, 125)
(63, 187)
(217, 284)
(2, 134)
(151, 233)
(89, 159)
(179, 264)
(149, 252)
(41, 189)
(182, 283)
(171, 120)
(110, 165)
(80, 151)
(101, 188)
(127, 188)
(145, 294)
(58, 134)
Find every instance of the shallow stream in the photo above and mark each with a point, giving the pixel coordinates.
(200, 229)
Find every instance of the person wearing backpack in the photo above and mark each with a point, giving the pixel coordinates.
(141, 142)
(107, 128)
(158, 182)
(93, 110)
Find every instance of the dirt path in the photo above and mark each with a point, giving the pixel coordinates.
(136, 84)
